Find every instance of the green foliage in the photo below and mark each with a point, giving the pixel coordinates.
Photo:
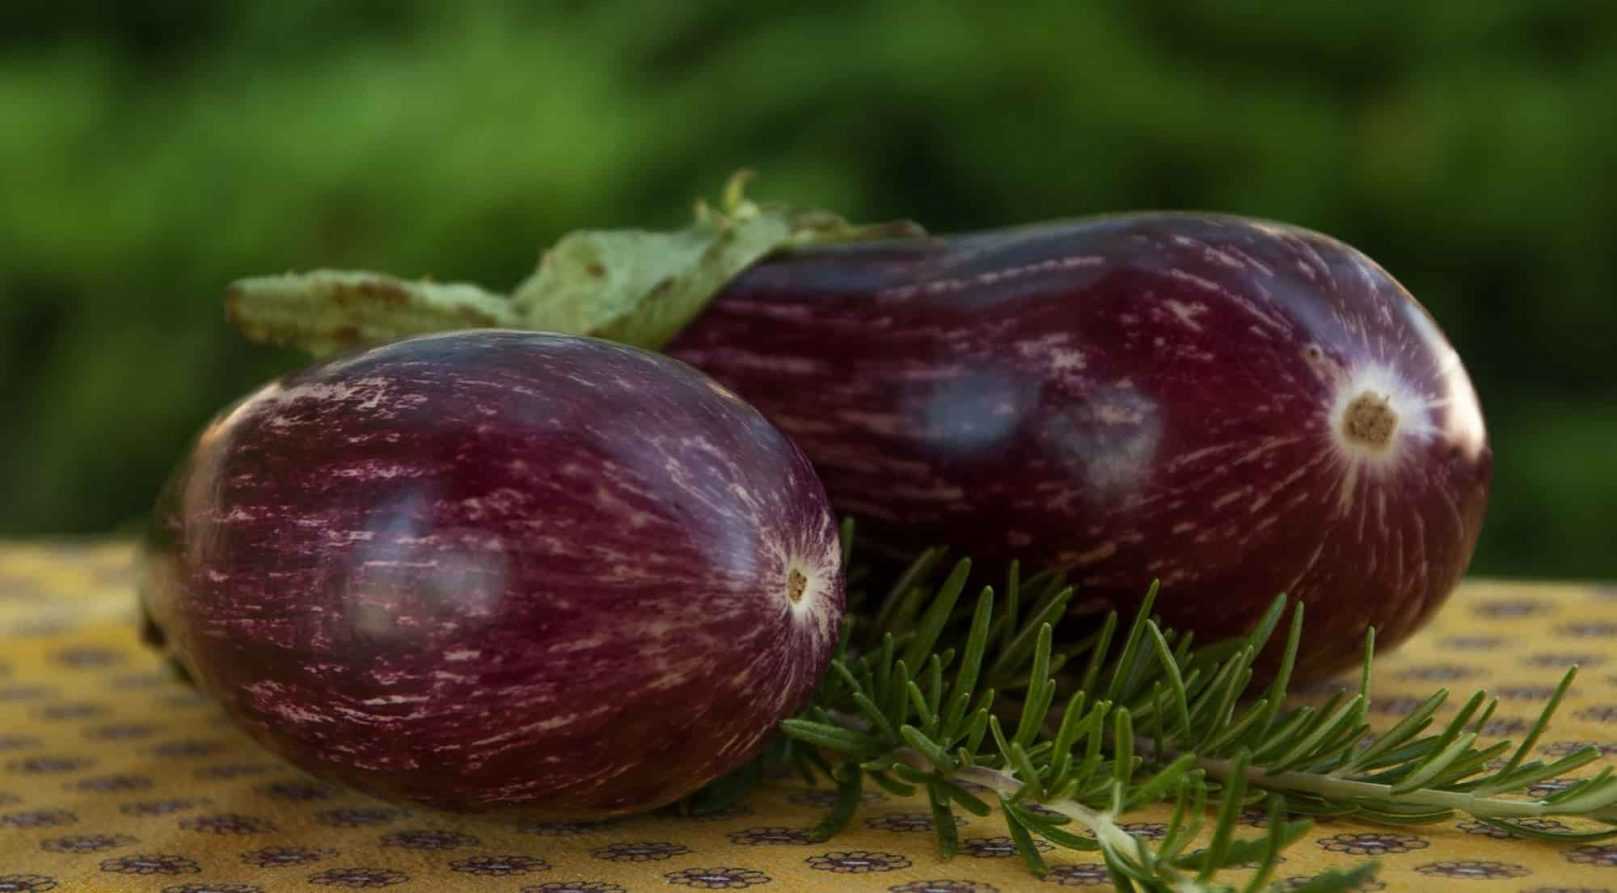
(154, 152)
(632, 286)
(1150, 719)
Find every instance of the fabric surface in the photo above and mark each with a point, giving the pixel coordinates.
(115, 777)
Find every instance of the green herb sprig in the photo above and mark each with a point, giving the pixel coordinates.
(968, 702)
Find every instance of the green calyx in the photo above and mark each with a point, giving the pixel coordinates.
(636, 287)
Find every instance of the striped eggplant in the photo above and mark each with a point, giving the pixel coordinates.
(1232, 407)
(499, 570)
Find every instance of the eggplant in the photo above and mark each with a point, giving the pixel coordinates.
(499, 570)
(1232, 407)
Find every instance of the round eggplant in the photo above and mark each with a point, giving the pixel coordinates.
(500, 570)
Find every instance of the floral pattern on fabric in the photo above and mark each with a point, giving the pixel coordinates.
(114, 776)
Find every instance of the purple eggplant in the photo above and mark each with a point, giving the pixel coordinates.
(1232, 407)
(500, 570)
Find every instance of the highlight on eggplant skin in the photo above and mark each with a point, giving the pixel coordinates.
(1233, 407)
(497, 570)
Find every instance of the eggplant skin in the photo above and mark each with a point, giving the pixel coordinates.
(497, 570)
(1151, 396)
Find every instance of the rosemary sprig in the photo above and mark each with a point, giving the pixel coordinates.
(959, 699)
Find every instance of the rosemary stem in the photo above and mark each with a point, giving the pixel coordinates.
(1106, 830)
(1342, 789)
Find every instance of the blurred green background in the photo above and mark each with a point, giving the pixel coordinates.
(150, 152)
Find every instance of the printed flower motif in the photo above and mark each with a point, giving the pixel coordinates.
(26, 883)
(282, 856)
(1147, 830)
(40, 627)
(944, 886)
(1483, 829)
(112, 783)
(86, 657)
(359, 817)
(1438, 673)
(1550, 786)
(17, 742)
(1473, 869)
(214, 888)
(1563, 748)
(160, 807)
(48, 765)
(120, 731)
(1556, 661)
(151, 863)
(1398, 705)
(1567, 890)
(1297, 882)
(233, 770)
(188, 747)
(297, 791)
(771, 835)
(1472, 643)
(1602, 713)
(639, 852)
(1602, 854)
(499, 866)
(1086, 874)
(358, 878)
(574, 887)
(1525, 692)
(60, 712)
(905, 821)
(563, 829)
(227, 823)
(138, 681)
(857, 862)
(38, 818)
(85, 843)
(13, 693)
(428, 839)
(1373, 843)
(1505, 725)
(1254, 818)
(1510, 607)
(717, 878)
(827, 799)
(996, 847)
(1588, 629)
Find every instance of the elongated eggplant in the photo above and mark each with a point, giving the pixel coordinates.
(1232, 407)
(500, 570)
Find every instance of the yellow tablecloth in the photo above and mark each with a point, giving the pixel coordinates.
(114, 777)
